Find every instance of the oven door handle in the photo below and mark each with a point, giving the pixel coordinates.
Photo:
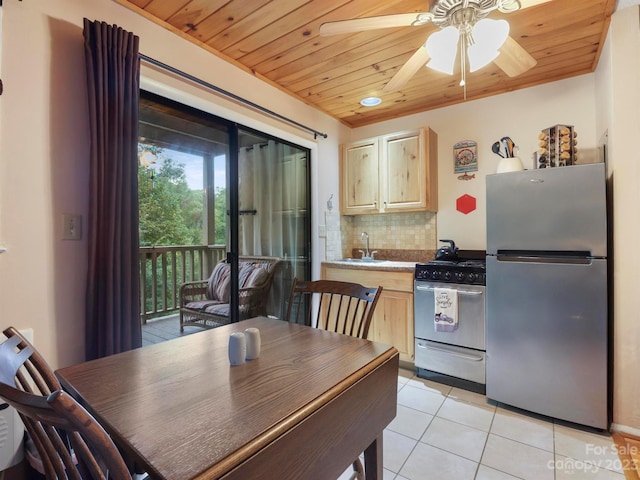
(460, 291)
(473, 358)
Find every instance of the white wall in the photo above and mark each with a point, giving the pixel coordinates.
(619, 107)
(520, 115)
(44, 151)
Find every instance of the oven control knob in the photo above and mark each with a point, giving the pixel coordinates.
(460, 276)
(447, 275)
(472, 277)
(435, 274)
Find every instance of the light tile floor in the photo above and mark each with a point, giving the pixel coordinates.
(443, 432)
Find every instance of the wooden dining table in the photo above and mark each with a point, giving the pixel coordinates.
(306, 408)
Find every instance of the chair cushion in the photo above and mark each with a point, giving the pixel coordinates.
(201, 305)
(219, 285)
(245, 270)
(256, 276)
(222, 309)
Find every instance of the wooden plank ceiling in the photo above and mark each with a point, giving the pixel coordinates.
(278, 41)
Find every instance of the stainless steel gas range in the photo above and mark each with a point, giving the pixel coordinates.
(449, 303)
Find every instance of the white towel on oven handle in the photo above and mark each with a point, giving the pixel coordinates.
(446, 310)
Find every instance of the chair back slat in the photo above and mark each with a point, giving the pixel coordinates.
(60, 455)
(343, 307)
(71, 443)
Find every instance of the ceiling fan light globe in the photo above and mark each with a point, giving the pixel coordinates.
(488, 37)
(490, 34)
(442, 47)
(479, 58)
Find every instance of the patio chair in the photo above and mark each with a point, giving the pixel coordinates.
(343, 307)
(206, 303)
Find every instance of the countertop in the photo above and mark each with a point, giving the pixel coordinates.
(385, 266)
(394, 260)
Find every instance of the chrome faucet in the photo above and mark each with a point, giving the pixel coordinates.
(366, 255)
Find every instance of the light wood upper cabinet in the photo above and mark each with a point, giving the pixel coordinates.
(359, 177)
(391, 173)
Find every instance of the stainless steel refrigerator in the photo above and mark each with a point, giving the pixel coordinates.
(546, 293)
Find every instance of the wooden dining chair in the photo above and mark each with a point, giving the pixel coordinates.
(36, 377)
(343, 307)
(71, 443)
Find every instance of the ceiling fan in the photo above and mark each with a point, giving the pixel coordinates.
(464, 27)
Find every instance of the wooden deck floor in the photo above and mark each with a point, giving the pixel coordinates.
(165, 328)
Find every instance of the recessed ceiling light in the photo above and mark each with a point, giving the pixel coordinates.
(370, 101)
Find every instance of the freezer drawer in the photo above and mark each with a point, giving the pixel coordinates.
(547, 338)
(457, 362)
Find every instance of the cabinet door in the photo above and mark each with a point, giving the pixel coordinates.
(359, 178)
(408, 178)
(393, 322)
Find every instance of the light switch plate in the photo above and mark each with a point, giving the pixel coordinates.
(322, 231)
(71, 226)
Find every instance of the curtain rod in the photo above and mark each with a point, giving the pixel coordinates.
(233, 96)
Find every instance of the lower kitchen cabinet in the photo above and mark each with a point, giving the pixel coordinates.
(393, 318)
(393, 322)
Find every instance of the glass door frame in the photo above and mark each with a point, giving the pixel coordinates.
(232, 187)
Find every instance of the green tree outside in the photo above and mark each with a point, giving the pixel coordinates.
(170, 213)
(220, 210)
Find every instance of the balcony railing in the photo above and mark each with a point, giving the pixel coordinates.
(164, 269)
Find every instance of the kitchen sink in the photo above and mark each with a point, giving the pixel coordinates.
(361, 260)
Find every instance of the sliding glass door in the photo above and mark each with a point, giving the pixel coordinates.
(273, 193)
(212, 191)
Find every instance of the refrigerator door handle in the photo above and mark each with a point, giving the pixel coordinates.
(523, 258)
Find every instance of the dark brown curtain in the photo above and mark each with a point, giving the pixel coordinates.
(113, 77)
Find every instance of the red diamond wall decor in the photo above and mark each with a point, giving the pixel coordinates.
(466, 204)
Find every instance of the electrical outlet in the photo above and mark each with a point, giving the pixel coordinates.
(71, 226)
(322, 231)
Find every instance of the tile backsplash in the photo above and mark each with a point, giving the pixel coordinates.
(389, 231)
(333, 248)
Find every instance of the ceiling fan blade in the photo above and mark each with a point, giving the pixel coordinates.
(513, 59)
(369, 23)
(531, 3)
(408, 70)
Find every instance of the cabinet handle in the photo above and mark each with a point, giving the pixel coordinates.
(375, 204)
(472, 358)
